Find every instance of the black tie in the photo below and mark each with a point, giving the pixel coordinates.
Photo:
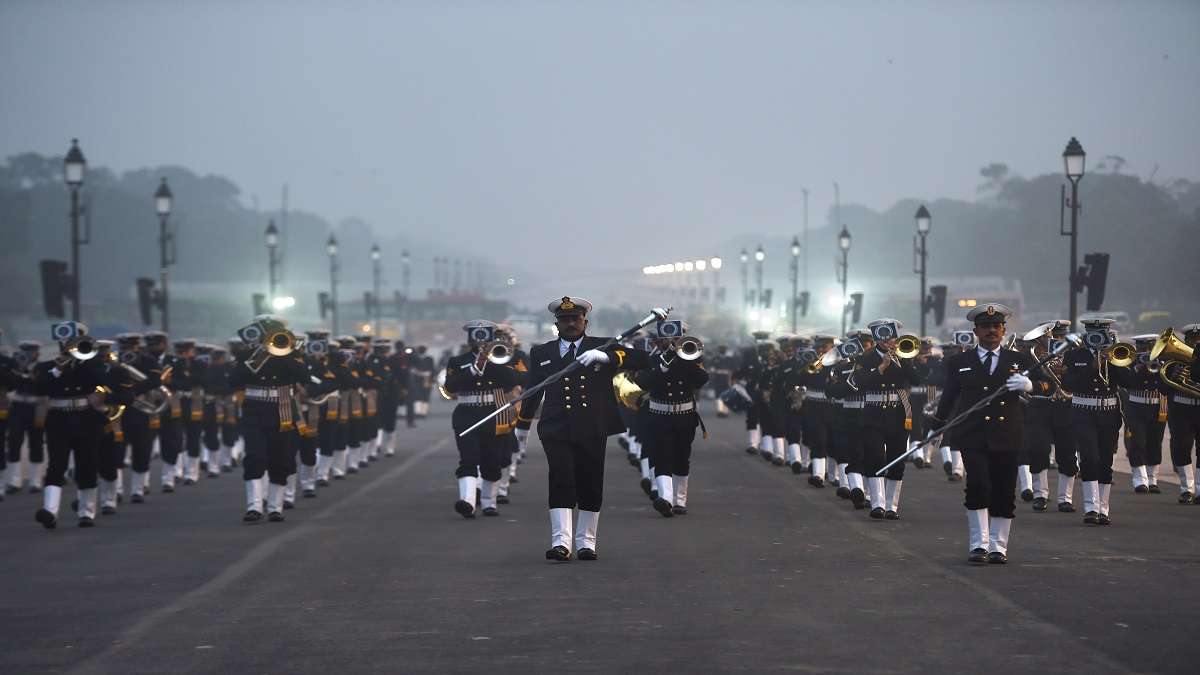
(987, 363)
(570, 352)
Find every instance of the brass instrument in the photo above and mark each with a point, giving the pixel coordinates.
(688, 348)
(499, 352)
(1121, 354)
(440, 381)
(1042, 330)
(627, 392)
(908, 346)
(111, 412)
(796, 397)
(279, 343)
(1175, 358)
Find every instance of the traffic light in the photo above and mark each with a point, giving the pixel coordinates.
(1094, 274)
(56, 285)
(856, 307)
(325, 303)
(146, 299)
(260, 303)
(802, 303)
(936, 302)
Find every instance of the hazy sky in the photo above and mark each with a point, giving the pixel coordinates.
(601, 133)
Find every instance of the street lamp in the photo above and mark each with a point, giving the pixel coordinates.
(331, 247)
(405, 266)
(376, 255)
(272, 237)
(759, 255)
(745, 258)
(74, 168)
(1073, 163)
(795, 273)
(844, 246)
(920, 251)
(714, 264)
(162, 205)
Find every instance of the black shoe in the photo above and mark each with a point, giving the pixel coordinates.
(1103, 519)
(816, 481)
(490, 511)
(954, 477)
(136, 498)
(634, 461)
(372, 458)
(168, 489)
(1141, 490)
(647, 485)
(997, 558)
(891, 515)
(86, 522)
(227, 469)
(514, 480)
(857, 498)
(203, 466)
(464, 509)
(362, 463)
(288, 505)
(188, 481)
(1026, 495)
(1091, 518)
(74, 504)
(623, 442)
(876, 513)
(1066, 507)
(47, 519)
(309, 493)
(252, 516)
(663, 507)
(33, 490)
(978, 556)
(777, 461)
(559, 554)
(108, 511)
(797, 468)
(1155, 490)
(501, 499)
(213, 474)
(919, 462)
(750, 449)
(948, 467)
(1039, 504)
(843, 492)
(654, 495)
(1185, 498)
(275, 517)
(352, 468)
(322, 482)
(585, 554)
(120, 498)
(679, 510)
(11, 490)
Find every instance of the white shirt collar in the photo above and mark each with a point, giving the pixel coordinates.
(565, 345)
(982, 352)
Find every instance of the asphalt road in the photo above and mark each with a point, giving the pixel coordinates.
(378, 574)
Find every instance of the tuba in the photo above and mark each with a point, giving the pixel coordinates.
(1175, 358)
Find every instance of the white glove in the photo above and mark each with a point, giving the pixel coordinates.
(661, 313)
(592, 356)
(522, 435)
(1018, 382)
(663, 364)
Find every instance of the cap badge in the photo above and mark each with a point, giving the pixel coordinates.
(566, 304)
(991, 310)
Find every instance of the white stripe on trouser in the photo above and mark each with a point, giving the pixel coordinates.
(665, 487)
(1139, 476)
(878, 498)
(274, 498)
(87, 503)
(585, 531)
(1041, 484)
(793, 453)
(1024, 478)
(681, 485)
(999, 529)
(977, 527)
(487, 494)
(1102, 500)
(466, 490)
(1091, 495)
(51, 498)
(854, 481)
(1066, 489)
(254, 495)
(754, 437)
(818, 467)
(892, 489)
(1187, 478)
(560, 528)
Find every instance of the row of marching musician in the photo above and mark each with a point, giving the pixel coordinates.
(850, 411)
(293, 411)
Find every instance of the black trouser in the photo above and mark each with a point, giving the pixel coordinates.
(793, 426)
(268, 450)
(847, 439)
(1184, 422)
(991, 481)
(170, 437)
(671, 439)
(1043, 428)
(387, 411)
(136, 426)
(752, 415)
(3, 437)
(481, 449)
(210, 428)
(192, 428)
(327, 431)
(21, 424)
(1145, 434)
(816, 420)
(576, 472)
(883, 440)
(1096, 433)
(511, 446)
(78, 432)
(916, 403)
(307, 446)
(110, 454)
(767, 420)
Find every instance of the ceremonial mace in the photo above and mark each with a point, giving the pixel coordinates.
(656, 314)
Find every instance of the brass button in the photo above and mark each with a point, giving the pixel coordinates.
(1003, 403)
(568, 406)
(585, 405)
(987, 419)
(985, 388)
(1002, 418)
(568, 398)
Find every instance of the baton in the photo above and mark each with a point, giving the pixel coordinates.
(656, 314)
(1071, 341)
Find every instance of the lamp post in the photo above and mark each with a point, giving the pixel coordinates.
(162, 205)
(272, 236)
(377, 267)
(1073, 162)
(759, 255)
(844, 246)
(405, 266)
(919, 250)
(714, 264)
(331, 247)
(74, 168)
(795, 273)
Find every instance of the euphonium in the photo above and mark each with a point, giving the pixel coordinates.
(1121, 354)
(1175, 358)
(689, 348)
(908, 346)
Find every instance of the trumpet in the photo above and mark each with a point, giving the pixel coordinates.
(688, 348)
(279, 343)
(908, 346)
(499, 352)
